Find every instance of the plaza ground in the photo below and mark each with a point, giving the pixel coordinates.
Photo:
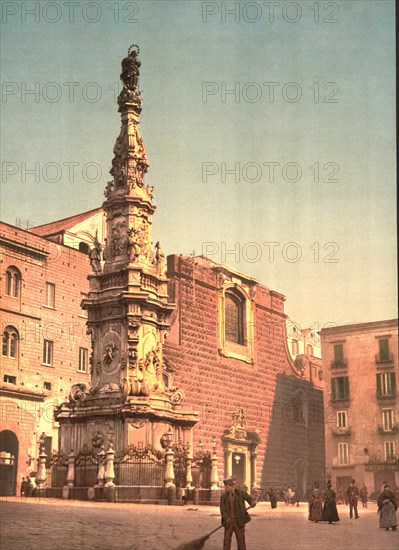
(60, 525)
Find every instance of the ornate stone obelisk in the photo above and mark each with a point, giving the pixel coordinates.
(130, 401)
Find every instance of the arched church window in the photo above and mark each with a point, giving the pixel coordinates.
(234, 318)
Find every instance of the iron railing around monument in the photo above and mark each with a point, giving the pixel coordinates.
(201, 470)
(86, 464)
(59, 469)
(140, 466)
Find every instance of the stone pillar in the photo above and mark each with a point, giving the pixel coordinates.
(189, 475)
(71, 470)
(229, 468)
(169, 472)
(109, 470)
(101, 468)
(214, 473)
(41, 475)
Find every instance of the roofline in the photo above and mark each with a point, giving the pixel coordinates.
(358, 327)
(68, 218)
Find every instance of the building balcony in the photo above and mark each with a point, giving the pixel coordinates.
(383, 360)
(339, 364)
(393, 430)
(340, 431)
(386, 396)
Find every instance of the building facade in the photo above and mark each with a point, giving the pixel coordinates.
(360, 365)
(45, 347)
(227, 349)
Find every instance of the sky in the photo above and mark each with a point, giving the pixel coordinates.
(269, 127)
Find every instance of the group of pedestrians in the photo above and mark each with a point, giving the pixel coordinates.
(323, 507)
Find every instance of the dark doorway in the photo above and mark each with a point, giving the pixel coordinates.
(8, 463)
(239, 468)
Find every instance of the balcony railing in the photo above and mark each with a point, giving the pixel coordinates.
(382, 430)
(384, 358)
(341, 431)
(339, 364)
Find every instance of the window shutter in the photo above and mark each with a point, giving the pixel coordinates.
(333, 389)
(393, 383)
(379, 390)
(346, 385)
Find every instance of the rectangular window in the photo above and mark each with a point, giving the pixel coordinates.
(82, 367)
(338, 353)
(343, 453)
(386, 385)
(389, 451)
(10, 379)
(387, 420)
(309, 349)
(50, 295)
(383, 349)
(340, 388)
(295, 347)
(48, 348)
(342, 421)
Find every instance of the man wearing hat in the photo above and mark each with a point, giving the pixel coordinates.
(352, 494)
(234, 513)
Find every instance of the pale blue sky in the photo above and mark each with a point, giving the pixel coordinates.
(179, 52)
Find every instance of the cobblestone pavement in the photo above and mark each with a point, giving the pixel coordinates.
(54, 525)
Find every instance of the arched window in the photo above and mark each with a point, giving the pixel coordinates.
(234, 318)
(13, 282)
(10, 342)
(84, 247)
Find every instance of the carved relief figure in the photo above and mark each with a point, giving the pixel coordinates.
(138, 380)
(239, 418)
(133, 246)
(109, 353)
(118, 238)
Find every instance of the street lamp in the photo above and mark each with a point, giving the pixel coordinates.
(169, 435)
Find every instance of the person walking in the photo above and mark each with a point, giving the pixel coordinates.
(273, 497)
(387, 507)
(23, 487)
(315, 505)
(330, 512)
(364, 495)
(234, 513)
(352, 494)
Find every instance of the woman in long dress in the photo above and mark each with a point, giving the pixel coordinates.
(315, 505)
(387, 507)
(330, 512)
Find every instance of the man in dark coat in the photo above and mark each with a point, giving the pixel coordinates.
(352, 494)
(234, 514)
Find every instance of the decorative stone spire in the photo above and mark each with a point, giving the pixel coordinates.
(131, 400)
(129, 205)
(127, 305)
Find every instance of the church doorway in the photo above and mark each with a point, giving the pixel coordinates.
(239, 469)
